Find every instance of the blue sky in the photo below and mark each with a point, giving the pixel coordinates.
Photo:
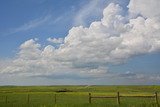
(16, 14)
(23, 20)
(49, 18)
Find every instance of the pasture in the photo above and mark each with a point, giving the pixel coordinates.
(76, 96)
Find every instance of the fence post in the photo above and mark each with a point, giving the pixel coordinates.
(28, 98)
(89, 98)
(156, 98)
(6, 100)
(55, 99)
(118, 98)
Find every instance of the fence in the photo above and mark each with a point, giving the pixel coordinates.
(118, 97)
(43, 98)
(5, 99)
(155, 96)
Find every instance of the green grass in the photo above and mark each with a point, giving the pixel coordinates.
(44, 96)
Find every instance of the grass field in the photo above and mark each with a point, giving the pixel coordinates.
(76, 96)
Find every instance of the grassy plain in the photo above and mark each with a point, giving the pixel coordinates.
(77, 96)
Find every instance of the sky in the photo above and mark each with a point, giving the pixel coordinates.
(80, 42)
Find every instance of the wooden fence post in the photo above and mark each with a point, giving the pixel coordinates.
(55, 99)
(6, 100)
(156, 99)
(118, 98)
(89, 98)
(28, 98)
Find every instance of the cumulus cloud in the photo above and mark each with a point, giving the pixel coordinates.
(87, 51)
(147, 8)
(55, 40)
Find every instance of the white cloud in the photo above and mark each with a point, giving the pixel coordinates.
(147, 8)
(30, 50)
(55, 40)
(86, 52)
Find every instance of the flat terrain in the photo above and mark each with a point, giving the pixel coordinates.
(76, 96)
